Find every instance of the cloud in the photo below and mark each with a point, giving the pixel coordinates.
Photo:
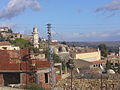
(16, 7)
(112, 6)
(10, 25)
(90, 36)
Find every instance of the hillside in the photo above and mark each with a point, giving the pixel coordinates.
(112, 45)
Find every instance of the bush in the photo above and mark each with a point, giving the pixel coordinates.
(33, 86)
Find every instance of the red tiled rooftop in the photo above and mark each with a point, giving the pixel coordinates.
(6, 63)
(55, 43)
(98, 61)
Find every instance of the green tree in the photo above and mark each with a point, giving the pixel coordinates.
(57, 59)
(2, 38)
(33, 86)
(119, 68)
(64, 42)
(104, 50)
(22, 43)
(108, 65)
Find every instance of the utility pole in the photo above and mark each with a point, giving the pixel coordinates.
(101, 83)
(50, 58)
(71, 78)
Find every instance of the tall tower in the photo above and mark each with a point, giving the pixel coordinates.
(35, 37)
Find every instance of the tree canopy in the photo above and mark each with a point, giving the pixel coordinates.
(104, 50)
(22, 43)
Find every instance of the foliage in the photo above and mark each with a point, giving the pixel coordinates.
(115, 67)
(2, 38)
(22, 43)
(119, 68)
(64, 42)
(104, 50)
(70, 64)
(36, 50)
(33, 86)
(108, 65)
(57, 59)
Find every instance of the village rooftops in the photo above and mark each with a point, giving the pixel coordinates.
(98, 61)
(15, 60)
(4, 43)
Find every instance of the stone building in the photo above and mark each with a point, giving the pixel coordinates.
(13, 36)
(61, 50)
(5, 29)
(7, 34)
(87, 55)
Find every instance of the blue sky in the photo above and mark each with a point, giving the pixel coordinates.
(72, 20)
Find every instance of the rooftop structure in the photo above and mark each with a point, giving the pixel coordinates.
(16, 67)
(5, 45)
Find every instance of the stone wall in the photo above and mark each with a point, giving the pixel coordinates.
(89, 84)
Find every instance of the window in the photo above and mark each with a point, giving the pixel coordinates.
(5, 48)
(94, 65)
(60, 49)
(21, 36)
(46, 77)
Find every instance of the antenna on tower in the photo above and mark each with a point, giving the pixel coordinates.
(50, 58)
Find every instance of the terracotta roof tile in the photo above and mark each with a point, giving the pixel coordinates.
(98, 61)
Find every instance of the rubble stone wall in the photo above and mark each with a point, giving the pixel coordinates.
(89, 84)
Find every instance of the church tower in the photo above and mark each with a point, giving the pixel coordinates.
(35, 37)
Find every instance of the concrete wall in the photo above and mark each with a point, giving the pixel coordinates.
(9, 47)
(39, 56)
(89, 56)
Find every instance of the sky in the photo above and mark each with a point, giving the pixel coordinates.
(72, 20)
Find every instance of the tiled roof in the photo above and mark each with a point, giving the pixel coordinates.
(55, 43)
(98, 61)
(6, 63)
(14, 54)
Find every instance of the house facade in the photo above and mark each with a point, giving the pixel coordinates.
(17, 68)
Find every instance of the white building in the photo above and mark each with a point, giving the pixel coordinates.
(35, 37)
(7, 46)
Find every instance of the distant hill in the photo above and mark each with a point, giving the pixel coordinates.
(112, 45)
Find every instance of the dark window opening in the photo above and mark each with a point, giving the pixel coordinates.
(5, 48)
(46, 77)
(21, 36)
(12, 37)
(11, 78)
(60, 49)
